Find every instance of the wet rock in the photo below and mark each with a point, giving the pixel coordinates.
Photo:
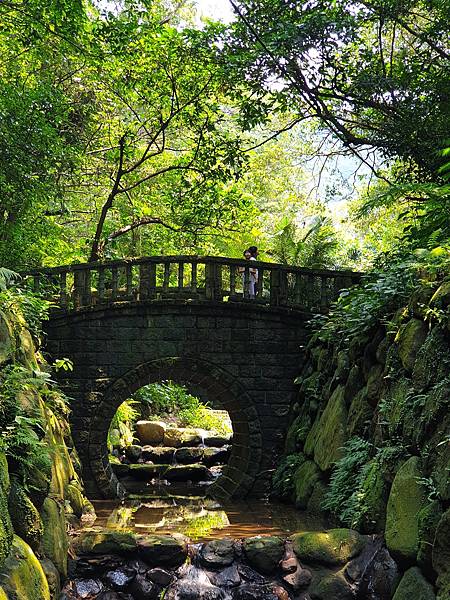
(88, 587)
(264, 553)
(142, 588)
(175, 437)
(414, 585)
(146, 471)
(290, 565)
(228, 577)
(120, 469)
(217, 554)
(305, 478)
(374, 571)
(254, 592)
(333, 547)
(217, 440)
(280, 592)
(188, 456)
(160, 576)
(162, 550)
(187, 473)
(150, 432)
(193, 584)
(52, 576)
(133, 452)
(120, 579)
(215, 456)
(105, 542)
(250, 575)
(299, 579)
(332, 586)
(86, 568)
(157, 454)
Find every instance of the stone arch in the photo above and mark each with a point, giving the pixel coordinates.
(199, 376)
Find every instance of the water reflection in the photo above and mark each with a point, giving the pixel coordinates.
(203, 519)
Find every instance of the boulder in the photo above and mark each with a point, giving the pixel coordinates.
(6, 528)
(264, 553)
(22, 576)
(217, 554)
(410, 338)
(53, 578)
(142, 588)
(187, 456)
(317, 497)
(133, 453)
(305, 478)
(441, 297)
(187, 473)
(360, 413)
(105, 542)
(121, 578)
(333, 547)
(7, 339)
(327, 586)
(215, 456)
(157, 454)
(428, 520)
(355, 382)
(217, 441)
(175, 437)
(162, 550)
(54, 540)
(150, 432)
(414, 585)
(429, 367)
(441, 555)
(406, 499)
(146, 471)
(332, 431)
(228, 577)
(25, 517)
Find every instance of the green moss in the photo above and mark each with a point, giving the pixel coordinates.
(25, 518)
(410, 338)
(264, 553)
(402, 516)
(54, 541)
(433, 360)
(316, 500)
(327, 586)
(53, 578)
(441, 556)
(22, 576)
(105, 542)
(414, 585)
(6, 529)
(305, 478)
(373, 495)
(332, 431)
(429, 518)
(7, 339)
(359, 414)
(333, 547)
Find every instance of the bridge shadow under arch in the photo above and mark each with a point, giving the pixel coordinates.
(206, 380)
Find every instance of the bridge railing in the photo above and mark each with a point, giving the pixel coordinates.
(214, 279)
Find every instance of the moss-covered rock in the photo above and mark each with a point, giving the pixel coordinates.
(305, 478)
(105, 542)
(54, 540)
(53, 578)
(6, 529)
(78, 501)
(331, 586)
(432, 361)
(162, 550)
(441, 468)
(429, 518)
(22, 577)
(441, 556)
(25, 517)
(333, 547)
(264, 553)
(354, 383)
(360, 414)
(413, 585)
(410, 338)
(7, 339)
(375, 491)
(311, 438)
(332, 431)
(317, 498)
(297, 432)
(441, 297)
(406, 499)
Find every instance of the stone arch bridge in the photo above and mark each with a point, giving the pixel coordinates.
(128, 323)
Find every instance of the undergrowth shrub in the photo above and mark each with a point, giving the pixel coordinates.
(283, 478)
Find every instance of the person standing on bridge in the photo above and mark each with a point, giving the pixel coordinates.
(253, 275)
